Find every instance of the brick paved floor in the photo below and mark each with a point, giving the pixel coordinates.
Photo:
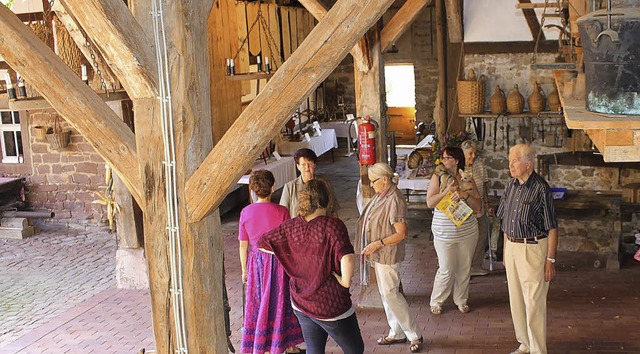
(57, 296)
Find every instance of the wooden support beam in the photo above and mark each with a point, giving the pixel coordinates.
(35, 103)
(360, 57)
(121, 41)
(319, 55)
(454, 21)
(370, 98)
(400, 22)
(81, 41)
(440, 108)
(201, 243)
(66, 92)
(532, 20)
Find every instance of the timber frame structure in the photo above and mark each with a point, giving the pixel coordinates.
(205, 173)
(207, 169)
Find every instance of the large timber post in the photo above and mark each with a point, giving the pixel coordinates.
(370, 100)
(201, 242)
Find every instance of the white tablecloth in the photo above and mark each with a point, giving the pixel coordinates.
(416, 184)
(319, 144)
(341, 128)
(284, 170)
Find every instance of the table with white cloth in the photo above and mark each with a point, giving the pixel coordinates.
(414, 187)
(408, 180)
(415, 192)
(319, 144)
(341, 127)
(284, 170)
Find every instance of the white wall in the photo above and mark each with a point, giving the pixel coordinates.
(25, 6)
(500, 21)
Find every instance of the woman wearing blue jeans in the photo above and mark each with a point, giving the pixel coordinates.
(316, 253)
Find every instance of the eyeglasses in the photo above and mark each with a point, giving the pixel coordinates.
(374, 181)
(448, 158)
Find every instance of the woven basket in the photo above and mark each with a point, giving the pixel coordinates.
(59, 140)
(415, 160)
(515, 101)
(40, 133)
(498, 101)
(471, 94)
(537, 101)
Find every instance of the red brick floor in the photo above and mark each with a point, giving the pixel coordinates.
(590, 310)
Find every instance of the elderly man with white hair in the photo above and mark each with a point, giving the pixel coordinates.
(530, 226)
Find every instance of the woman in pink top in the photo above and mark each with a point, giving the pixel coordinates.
(270, 325)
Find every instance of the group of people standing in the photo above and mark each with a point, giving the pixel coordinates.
(297, 259)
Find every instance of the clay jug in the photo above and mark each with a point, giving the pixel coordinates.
(498, 101)
(515, 101)
(554, 100)
(537, 101)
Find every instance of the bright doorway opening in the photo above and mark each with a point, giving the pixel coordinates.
(400, 87)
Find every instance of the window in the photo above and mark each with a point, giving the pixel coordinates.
(11, 137)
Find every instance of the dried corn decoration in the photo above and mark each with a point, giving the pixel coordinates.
(107, 199)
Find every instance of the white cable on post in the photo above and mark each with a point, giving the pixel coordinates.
(173, 225)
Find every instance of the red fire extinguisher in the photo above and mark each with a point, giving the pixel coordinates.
(367, 141)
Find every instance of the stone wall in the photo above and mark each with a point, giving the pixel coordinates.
(506, 70)
(417, 47)
(65, 181)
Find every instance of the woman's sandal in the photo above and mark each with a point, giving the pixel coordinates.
(464, 308)
(416, 345)
(436, 310)
(389, 341)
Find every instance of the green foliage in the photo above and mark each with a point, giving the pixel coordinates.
(437, 147)
(7, 3)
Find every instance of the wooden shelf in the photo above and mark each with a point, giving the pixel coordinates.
(616, 136)
(545, 114)
(35, 103)
(250, 76)
(577, 116)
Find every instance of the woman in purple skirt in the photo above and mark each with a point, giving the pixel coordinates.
(270, 325)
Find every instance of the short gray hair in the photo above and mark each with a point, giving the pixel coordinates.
(525, 151)
(468, 144)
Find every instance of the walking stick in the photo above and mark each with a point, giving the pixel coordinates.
(243, 300)
(489, 227)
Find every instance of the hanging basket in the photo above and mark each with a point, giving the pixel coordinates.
(59, 140)
(471, 94)
(40, 133)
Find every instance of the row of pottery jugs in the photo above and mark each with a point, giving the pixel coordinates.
(514, 103)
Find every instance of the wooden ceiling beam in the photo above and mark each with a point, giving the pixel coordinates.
(319, 54)
(359, 52)
(72, 98)
(400, 22)
(532, 20)
(121, 41)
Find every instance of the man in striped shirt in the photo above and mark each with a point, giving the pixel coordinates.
(529, 222)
